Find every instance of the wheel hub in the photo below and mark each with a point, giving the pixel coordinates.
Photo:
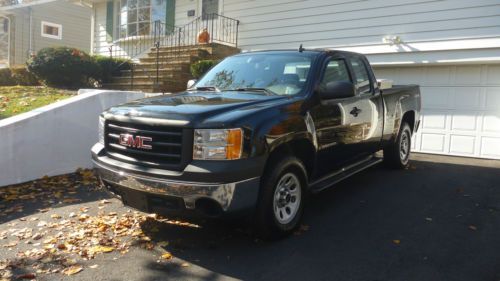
(287, 198)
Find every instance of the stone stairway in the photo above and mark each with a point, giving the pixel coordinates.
(174, 68)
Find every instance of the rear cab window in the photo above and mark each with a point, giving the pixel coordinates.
(361, 75)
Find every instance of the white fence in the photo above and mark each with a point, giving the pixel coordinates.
(54, 139)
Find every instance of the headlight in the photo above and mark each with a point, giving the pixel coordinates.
(218, 144)
(101, 130)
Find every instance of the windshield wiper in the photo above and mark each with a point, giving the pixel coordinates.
(207, 88)
(249, 89)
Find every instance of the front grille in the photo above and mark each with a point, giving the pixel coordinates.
(170, 146)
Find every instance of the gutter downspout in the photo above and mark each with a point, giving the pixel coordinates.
(6, 17)
(92, 30)
(31, 33)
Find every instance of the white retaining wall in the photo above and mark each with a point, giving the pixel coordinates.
(54, 139)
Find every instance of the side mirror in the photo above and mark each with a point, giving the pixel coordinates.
(191, 83)
(337, 90)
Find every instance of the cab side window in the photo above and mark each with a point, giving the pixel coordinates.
(361, 75)
(336, 71)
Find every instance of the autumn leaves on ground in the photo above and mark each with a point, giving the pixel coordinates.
(40, 240)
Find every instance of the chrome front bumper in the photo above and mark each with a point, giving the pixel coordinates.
(231, 197)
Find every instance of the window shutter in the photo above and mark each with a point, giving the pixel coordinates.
(170, 15)
(109, 21)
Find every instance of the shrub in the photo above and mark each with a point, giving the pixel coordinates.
(109, 67)
(23, 77)
(201, 67)
(6, 77)
(63, 67)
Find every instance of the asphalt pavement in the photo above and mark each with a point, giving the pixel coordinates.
(437, 220)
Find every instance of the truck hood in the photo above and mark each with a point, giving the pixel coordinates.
(193, 107)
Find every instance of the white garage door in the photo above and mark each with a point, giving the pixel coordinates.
(460, 108)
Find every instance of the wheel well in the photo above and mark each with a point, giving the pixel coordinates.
(409, 117)
(302, 149)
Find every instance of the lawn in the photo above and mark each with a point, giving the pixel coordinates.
(19, 99)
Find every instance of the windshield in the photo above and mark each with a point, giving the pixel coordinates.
(281, 74)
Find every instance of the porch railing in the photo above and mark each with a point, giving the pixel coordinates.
(221, 29)
(173, 40)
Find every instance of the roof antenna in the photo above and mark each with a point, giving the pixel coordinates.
(301, 49)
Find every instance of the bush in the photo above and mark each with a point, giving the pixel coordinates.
(6, 77)
(23, 77)
(109, 67)
(201, 67)
(63, 67)
(17, 75)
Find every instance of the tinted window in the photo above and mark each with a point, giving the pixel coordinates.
(336, 71)
(361, 75)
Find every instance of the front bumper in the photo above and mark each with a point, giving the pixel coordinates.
(173, 193)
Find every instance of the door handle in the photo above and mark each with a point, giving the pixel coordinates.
(355, 111)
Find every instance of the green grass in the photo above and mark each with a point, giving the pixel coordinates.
(19, 99)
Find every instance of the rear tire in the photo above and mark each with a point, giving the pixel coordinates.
(397, 154)
(281, 199)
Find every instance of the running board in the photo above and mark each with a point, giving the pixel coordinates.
(344, 173)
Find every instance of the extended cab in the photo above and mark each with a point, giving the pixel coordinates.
(257, 133)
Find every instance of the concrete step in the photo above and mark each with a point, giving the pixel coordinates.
(176, 53)
(167, 63)
(208, 48)
(145, 78)
(162, 60)
(163, 68)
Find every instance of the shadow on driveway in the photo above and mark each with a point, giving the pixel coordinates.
(433, 221)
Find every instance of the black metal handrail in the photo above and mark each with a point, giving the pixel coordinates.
(172, 40)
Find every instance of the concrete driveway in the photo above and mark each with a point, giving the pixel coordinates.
(438, 220)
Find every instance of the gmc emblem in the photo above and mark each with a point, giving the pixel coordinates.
(135, 142)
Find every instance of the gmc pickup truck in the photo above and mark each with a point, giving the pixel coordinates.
(255, 135)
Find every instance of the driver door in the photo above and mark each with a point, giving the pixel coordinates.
(343, 124)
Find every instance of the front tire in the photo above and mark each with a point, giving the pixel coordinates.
(397, 154)
(281, 199)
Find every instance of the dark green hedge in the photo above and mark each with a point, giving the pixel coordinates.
(199, 68)
(65, 67)
(110, 67)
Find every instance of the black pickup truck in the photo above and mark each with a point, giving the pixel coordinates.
(256, 135)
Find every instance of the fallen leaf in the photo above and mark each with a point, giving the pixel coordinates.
(102, 249)
(397, 242)
(94, 266)
(166, 256)
(26, 276)
(184, 264)
(55, 216)
(72, 270)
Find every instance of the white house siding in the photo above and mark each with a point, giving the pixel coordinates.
(75, 21)
(332, 23)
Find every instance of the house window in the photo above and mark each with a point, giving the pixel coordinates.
(51, 30)
(209, 8)
(137, 16)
